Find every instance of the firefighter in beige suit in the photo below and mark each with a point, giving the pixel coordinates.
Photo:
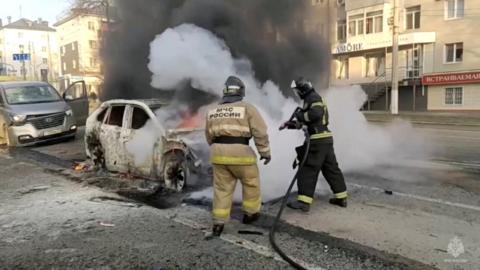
(229, 128)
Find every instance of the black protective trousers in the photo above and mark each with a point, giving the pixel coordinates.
(321, 157)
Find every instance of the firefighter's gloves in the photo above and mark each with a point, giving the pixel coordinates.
(290, 125)
(266, 159)
(299, 115)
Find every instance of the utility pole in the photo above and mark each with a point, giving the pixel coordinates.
(394, 96)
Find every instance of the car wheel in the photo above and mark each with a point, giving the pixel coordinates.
(175, 171)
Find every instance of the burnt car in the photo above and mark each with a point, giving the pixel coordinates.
(125, 136)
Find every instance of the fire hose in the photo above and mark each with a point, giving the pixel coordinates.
(285, 199)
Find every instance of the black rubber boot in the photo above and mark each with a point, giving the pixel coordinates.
(248, 219)
(298, 205)
(217, 230)
(339, 202)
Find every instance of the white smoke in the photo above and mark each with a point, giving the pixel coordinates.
(188, 52)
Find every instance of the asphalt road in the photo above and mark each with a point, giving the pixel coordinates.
(50, 222)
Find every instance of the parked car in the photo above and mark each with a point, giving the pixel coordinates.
(115, 124)
(32, 112)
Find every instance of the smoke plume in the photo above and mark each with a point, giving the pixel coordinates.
(268, 32)
(188, 48)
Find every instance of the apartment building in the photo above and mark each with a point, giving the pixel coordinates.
(35, 39)
(80, 36)
(439, 54)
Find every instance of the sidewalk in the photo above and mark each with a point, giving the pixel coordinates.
(433, 118)
(424, 220)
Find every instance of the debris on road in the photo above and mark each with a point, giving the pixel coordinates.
(32, 189)
(250, 232)
(389, 192)
(115, 201)
(84, 166)
(104, 224)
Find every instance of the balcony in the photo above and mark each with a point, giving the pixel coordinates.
(381, 40)
(406, 74)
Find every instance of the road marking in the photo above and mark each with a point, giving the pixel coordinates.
(422, 198)
(246, 244)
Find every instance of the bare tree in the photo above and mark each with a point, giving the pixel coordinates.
(100, 7)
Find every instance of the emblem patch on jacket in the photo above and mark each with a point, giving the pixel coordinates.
(227, 113)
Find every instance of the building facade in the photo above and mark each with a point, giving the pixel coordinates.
(38, 41)
(80, 39)
(439, 54)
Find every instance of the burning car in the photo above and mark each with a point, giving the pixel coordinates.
(115, 131)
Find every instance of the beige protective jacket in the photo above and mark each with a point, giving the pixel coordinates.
(238, 119)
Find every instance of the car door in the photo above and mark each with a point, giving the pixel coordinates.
(76, 97)
(139, 138)
(110, 139)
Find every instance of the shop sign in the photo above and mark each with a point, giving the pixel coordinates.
(451, 78)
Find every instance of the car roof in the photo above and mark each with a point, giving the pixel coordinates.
(148, 102)
(21, 83)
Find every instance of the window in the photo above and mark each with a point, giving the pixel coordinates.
(64, 66)
(74, 63)
(101, 115)
(44, 61)
(93, 44)
(374, 22)
(91, 26)
(75, 91)
(115, 118)
(355, 25)
(342, 68)
(31, 94)
(454, 9)
(412, 18)
(93, 61)
(375, 65)
(454, 52)
(73, 46)
(454, 96)
(139, 118)
(341, 30)
(413, 60)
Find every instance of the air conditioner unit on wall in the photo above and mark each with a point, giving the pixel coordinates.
(340, 2)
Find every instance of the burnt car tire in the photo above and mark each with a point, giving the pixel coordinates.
(176, 171)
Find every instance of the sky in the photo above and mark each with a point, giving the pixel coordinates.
(32, 9)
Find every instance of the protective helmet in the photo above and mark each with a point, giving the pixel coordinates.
(302, 87)
(234, 87)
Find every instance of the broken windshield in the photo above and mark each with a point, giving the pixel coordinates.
(31, 94)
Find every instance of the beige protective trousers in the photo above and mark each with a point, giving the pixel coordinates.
(224, 181)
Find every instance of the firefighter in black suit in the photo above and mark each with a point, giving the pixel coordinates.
(321, 156)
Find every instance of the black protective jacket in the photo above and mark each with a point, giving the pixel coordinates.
(314, 116)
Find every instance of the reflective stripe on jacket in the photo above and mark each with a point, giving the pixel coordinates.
(315, 117)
